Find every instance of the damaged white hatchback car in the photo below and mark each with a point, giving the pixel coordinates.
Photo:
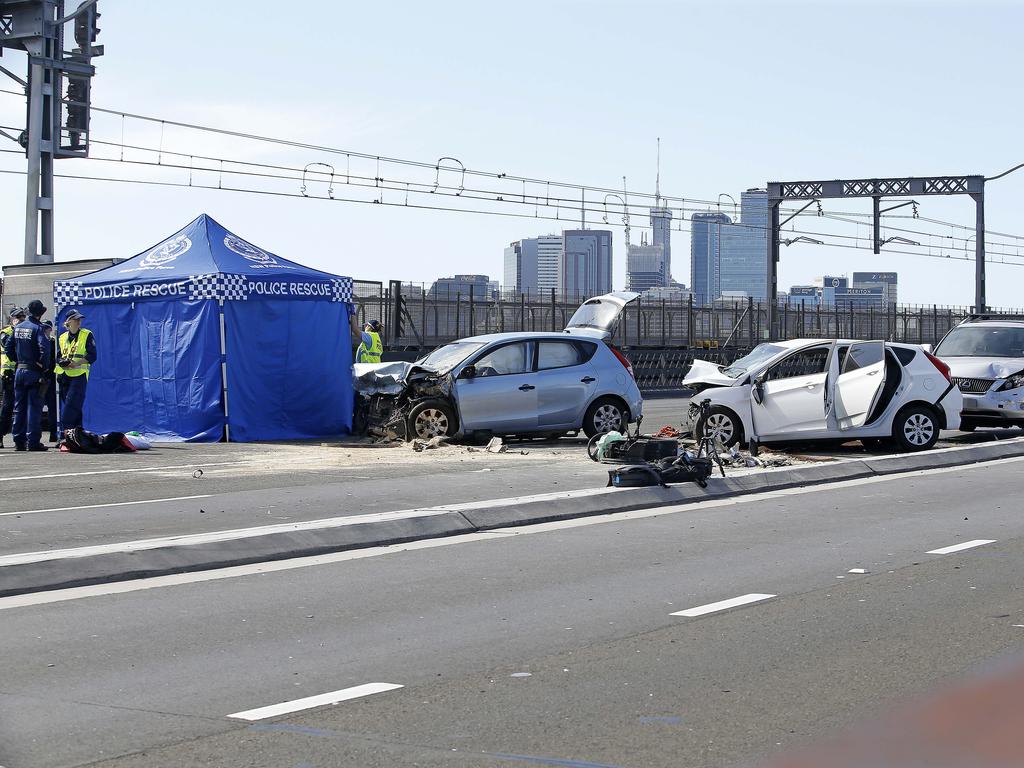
(986, 357)
(525, 383)
(815, 389)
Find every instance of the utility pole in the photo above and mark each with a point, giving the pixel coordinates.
(57, 124)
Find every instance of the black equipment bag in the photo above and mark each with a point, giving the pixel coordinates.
(679, 469)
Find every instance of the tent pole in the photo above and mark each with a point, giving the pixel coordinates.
(55, 417)
(223, 371)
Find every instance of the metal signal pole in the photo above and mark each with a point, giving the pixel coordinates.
(57, 124)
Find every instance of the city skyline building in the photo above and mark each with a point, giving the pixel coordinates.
(461, 285)
(744, 249)
(533, 265)
(705, 255)
(887, 281)
(586, 262)
(646, 267)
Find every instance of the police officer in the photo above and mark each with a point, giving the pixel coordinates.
(29, 347)
(7, 369)
(76, 353)
(371, 347)
(48, 385)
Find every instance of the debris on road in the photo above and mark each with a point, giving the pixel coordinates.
(427, 445)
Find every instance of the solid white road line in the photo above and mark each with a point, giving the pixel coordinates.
(722, 605)
(958, 547)
(286, 708)
(103, 506)
(156, 582)
(198, 465)
(198, 539)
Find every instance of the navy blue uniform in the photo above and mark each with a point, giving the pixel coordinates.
(29, 346)
(72, 388)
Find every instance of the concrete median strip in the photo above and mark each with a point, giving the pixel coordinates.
(65, 568)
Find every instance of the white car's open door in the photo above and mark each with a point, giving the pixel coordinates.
(859, 382)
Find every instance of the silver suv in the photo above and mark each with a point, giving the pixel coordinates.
(986, 358)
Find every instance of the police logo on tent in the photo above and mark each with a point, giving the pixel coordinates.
(257, 256)
(165, 253)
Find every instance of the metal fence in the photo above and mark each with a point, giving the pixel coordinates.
(417, 321)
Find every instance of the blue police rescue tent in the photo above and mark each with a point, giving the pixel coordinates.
(205, 335)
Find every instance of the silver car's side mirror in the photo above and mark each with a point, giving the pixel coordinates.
(469, 372)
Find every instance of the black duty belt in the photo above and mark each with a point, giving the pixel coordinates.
(27, 367)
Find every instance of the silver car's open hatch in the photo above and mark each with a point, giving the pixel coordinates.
(598, 317)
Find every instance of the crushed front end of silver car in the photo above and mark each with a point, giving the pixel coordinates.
(387, 393)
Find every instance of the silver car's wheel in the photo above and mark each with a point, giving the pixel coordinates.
(604, 416)
(432, 418)
(431, 423)
(915, 428)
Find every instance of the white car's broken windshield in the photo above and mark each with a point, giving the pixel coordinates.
(445, 358)
(982, 342)
(762, 353)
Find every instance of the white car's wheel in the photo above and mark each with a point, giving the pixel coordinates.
(722, 425)
(915, 428)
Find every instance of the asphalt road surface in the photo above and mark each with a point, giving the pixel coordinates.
(57, 501)
(596, 642)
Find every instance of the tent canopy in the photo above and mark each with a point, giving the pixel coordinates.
(202, 261)
(205, 331)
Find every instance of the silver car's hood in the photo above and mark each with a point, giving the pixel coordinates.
(380, 378)
(983, 367)
(703, 372)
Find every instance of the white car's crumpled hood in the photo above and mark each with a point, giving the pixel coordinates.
(983, 367)
(703, 372)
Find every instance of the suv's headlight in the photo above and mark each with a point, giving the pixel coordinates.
(1013, 382)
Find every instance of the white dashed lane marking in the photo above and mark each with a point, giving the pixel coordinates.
(322, 700)
(959, 547)
(722, 605)
(104, 506)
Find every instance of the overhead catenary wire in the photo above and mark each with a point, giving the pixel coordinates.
(437, 167)
(571, 204)
(279, 194)
(489, 195)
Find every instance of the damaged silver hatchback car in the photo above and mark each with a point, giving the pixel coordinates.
(529, 383)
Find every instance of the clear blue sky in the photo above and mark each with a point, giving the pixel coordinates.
(740, 93)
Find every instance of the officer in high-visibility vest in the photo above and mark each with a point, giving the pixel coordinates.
(371, 347)
(8, 365)
(77, 352)
(30, 349)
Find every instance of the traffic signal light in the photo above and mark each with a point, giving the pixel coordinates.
(78, 109)
(86, 29)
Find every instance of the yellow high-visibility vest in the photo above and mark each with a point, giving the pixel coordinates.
(75, 351)
(371, 355)
(6, 364)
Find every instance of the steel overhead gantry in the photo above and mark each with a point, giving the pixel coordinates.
(876, 189)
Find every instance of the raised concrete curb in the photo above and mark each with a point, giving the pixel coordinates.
(62, 569)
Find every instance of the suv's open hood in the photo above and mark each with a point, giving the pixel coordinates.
(599, 316)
